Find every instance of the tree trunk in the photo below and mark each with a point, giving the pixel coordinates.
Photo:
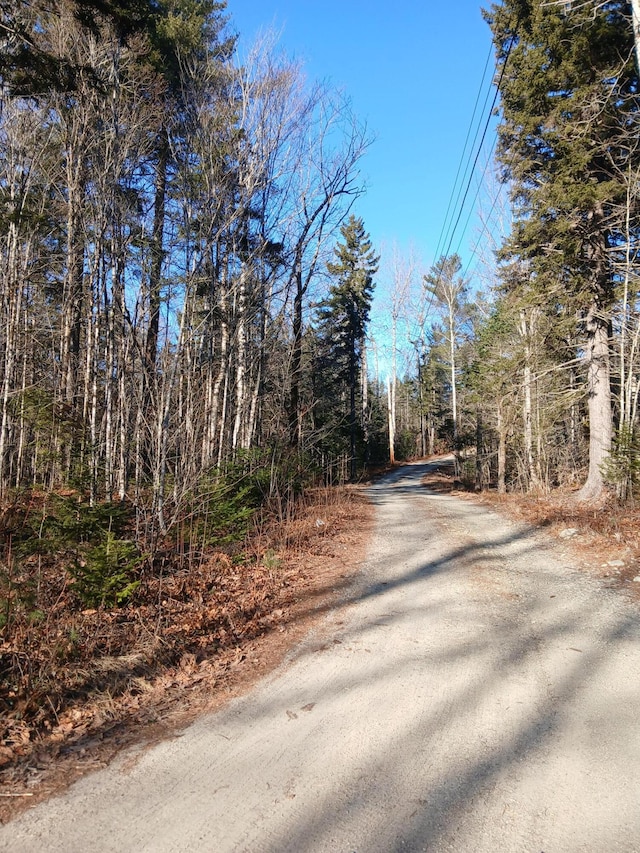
(479, 454)
(635, 8)
(12, 307)
(296, 363)
(364, 407)
(157, 257)
(454, 390)
(238, 434)
(352, 412)
(391, 417)
(502, 453)
(526, 331)
(391, 387)
(213, 431)
(431, 425)
(599, 402)
(72, 287)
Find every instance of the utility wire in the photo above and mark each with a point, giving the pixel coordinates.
(445, 228)
(483, 230)
(488, 160)
(451, 233)
(484, 134)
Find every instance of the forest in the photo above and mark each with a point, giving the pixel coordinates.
(186, 290)
(535, 368)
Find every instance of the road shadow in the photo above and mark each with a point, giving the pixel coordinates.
(521, 642)
(536, 627)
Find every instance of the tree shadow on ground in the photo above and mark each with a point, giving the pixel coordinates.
(533, 631)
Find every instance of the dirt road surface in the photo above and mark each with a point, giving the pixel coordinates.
(475, 693)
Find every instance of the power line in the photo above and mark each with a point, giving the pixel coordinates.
(475, 162)
(445, 229)
(485, 226)
(484, 134)
(477, 193)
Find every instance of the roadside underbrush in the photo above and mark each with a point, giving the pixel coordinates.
(96, 636)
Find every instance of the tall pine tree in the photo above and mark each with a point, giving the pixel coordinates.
(343, 319)
(569, 103)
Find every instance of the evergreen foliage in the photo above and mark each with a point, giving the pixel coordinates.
(107, 574)
(622, 467)
(569, 104)
(342, 324)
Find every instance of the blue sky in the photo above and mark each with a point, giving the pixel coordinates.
(413, 70)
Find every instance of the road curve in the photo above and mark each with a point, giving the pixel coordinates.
(475, 693)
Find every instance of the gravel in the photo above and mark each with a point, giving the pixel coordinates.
(474, 692)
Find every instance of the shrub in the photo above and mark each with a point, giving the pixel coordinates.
(106, 575)
(622, 467)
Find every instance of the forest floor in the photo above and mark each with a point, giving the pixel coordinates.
(218, 628)
(251, 615)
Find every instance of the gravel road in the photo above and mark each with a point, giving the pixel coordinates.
(475, 693)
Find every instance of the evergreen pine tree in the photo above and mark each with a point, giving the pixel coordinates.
(569, 103)
(343, 319)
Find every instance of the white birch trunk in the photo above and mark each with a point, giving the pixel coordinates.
(237, 439)
(391, 418)
(525, 328)
(13, 307)
(600, 412)
(454, 386)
